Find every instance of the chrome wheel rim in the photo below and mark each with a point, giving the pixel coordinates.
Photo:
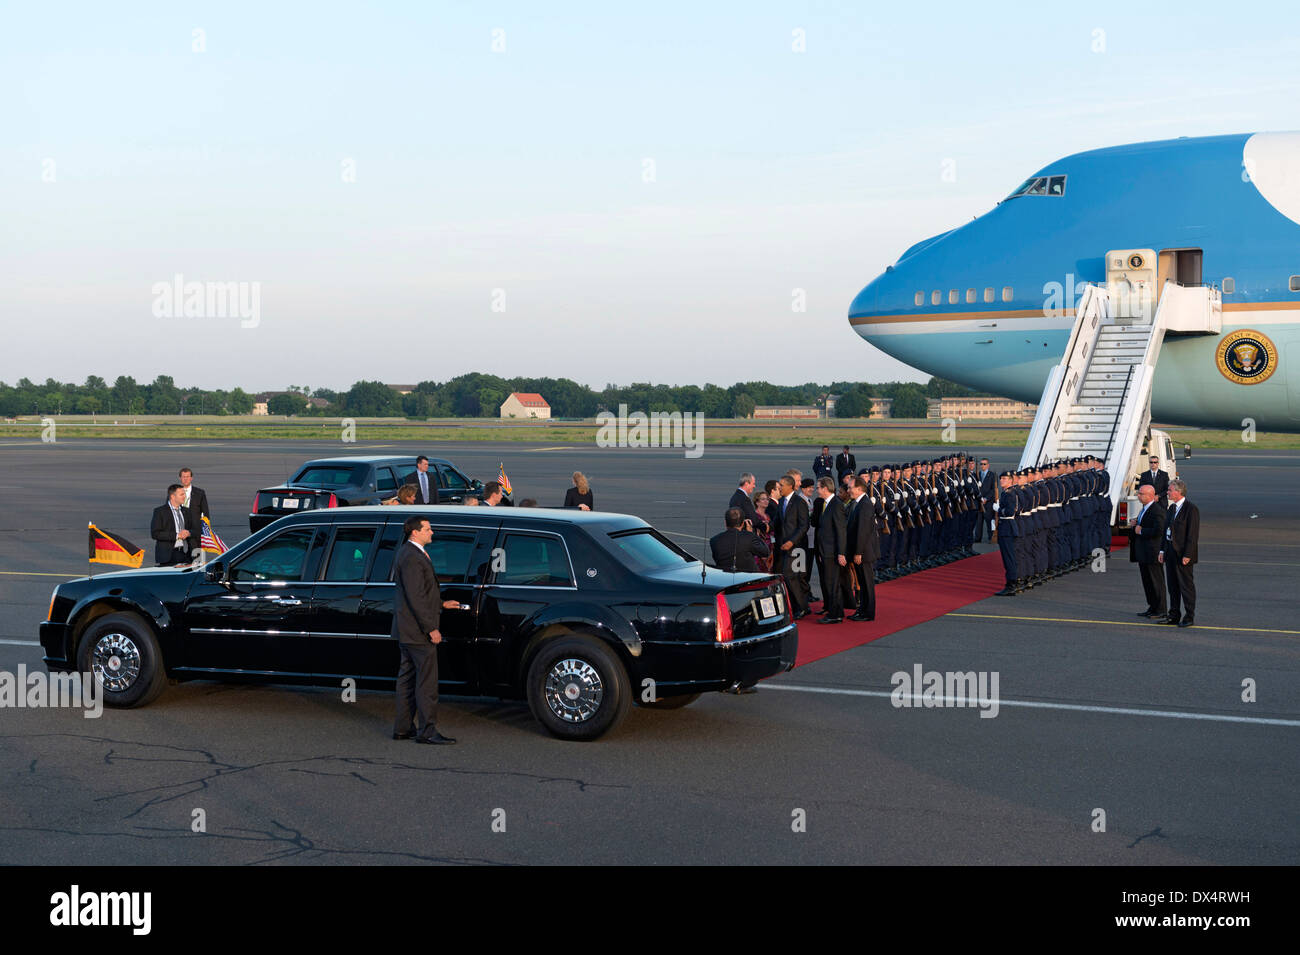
(574, 690)
(115, 661)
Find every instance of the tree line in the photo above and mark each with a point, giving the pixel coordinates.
(473, 395)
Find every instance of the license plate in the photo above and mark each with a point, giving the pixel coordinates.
(289, 503)
(766, 608)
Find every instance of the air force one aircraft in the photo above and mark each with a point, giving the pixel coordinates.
(991, 304)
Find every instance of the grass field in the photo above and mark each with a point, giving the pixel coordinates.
(835, 432)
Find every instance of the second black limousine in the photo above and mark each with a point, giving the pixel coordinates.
(580, 613)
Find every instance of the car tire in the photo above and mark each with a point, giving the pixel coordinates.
(577, 688)
(671, 702)
(121, 650)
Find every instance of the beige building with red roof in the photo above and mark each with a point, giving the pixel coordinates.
(525, 404)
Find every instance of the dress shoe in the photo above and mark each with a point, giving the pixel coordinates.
(1186, 622)
(1146, 613)
(1173, 621)
(1005, 592)
(831, 620)
(409, 734)
(436, 738)
(801, 614)
(863, 616)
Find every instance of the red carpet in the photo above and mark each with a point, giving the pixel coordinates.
(904, 603)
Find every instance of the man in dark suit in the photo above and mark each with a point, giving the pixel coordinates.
(824, 464)
(741, 497)
(735, 550)
(417, 610)
(194, 498)
(1148, 537)
(830, 544)
(845, 463)
(1179, 555)
(173, 529)
(426, 483)
(1157, 478)
(793, 548)
(988, 497)
(862, 549)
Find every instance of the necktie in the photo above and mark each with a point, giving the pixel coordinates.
(424, 484)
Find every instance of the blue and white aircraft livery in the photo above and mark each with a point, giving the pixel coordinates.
(991, 304)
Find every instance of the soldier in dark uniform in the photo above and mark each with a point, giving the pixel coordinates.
(1052, 520)
(1104, 507)
(912, 536)
(1006, 507)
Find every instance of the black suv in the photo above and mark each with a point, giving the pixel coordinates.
(581, 613)
(350, 481)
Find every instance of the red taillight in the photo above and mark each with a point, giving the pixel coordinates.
(724, 620)
(333, 501)
(1123, 512)
(257, 501)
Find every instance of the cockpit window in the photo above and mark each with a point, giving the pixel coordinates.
(1041, 186)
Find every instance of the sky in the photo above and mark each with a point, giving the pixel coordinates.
(670, 192)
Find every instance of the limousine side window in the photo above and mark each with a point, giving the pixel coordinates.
(386, 481)
(350, 553)
(281, 558)
(533, 560)
(382, 569)
(450, 551)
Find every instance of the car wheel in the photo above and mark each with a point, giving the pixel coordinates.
(577, 688)
(122, 653)
(671, 702)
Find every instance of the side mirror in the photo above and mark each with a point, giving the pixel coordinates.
(215, 574)
(477, 485)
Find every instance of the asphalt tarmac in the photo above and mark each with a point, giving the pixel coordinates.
(1099, 710)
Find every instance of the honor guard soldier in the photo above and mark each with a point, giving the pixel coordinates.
(1006, 509)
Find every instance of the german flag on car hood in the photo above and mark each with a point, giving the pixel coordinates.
(109, 548)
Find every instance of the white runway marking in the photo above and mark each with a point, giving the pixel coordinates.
(21, 643)
(1076, 707)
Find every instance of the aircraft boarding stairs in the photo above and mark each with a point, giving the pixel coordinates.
(1098, 400)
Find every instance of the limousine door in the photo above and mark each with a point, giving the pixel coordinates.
(337, 600)
(260, 620)
(375, 653)
(529, 571)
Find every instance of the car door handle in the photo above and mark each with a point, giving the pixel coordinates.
(463, 607)
(287, 601)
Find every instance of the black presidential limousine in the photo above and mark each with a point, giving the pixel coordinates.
(353, 480)
(581, 613)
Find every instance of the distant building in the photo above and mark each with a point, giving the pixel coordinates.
(525, 404)
(980, 409)
(830, 405)
(262, 401)
(882, 407)
(787, 412)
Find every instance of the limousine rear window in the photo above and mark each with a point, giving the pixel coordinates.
(330, 475)
(647, 549)
(530, 560)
